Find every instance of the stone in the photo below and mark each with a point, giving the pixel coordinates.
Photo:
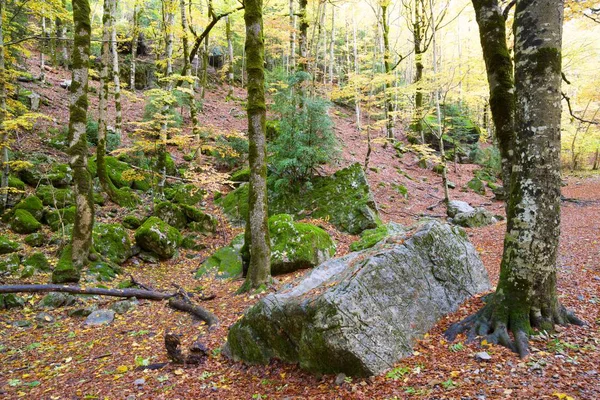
(44, 317)
(55, 300)
(371, 237)
(483, 356)
(122, 306)
(241, 175)
(103, 271)
(171, 213)
(55, 197)
(36, 239)
(60, 175)
(132, 222)
(474, 219)
(23, 222)
(37, 261)
(9, 264)
(360, 314)
(7, 245)
(33, 205)
(158, 237)
(192, 242)
(457, 206)
(344, 198)
(58, 218)
(188, 194)
(226, 262)
(34, 101)
(477, 186)
(82, 311)
(100, 317)
(65, 271)
(112, 242)
(114, 170)
(10, 300)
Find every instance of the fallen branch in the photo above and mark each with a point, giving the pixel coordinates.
(202, 313)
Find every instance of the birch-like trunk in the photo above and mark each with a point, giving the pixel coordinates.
(303, 37)
(115, 67)
(134, 43)
(230, 76)
(187, 69)
(292, 58)
(259, 270)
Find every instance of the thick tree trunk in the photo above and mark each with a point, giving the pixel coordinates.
(303, 37)
(187, 69)
(418, 27)
(134, 44)
(81, 240)
(260, 266)
(499, 67)
(115, 67)
(3, 134)
(526, 297)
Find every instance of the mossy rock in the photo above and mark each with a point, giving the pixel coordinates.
(112, 242)
(53, 218)
(54, 197)
(474, 219)
(9, 264)
(37, 261)
(114, 170)
(65, 271)
(10, 300)
(438, 168)
(15, 182)
(371, 237)
(7, 245)
(185, 194)
(158, 237)
(199, 221)
(192, 242)
(171, 213)
(56, 300)
(297, 245)
(477, 186)
(224, 263)
(103, 271)
(23, 222)
(60, 175)
(32, 204)
(343, 198)
(241, 175)
(132, 222)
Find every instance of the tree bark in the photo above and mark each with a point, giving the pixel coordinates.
(388, 106)
(292, 58)
(115, 67)
(134, 44)
(81, 240)
(3, 133)
(259, 270)
(526, 297)
(418, 33)
(303, 37)
(499, 69)
(230, 56)
(187, 70)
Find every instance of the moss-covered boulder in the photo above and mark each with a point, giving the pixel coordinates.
(132, 222)
(36, 239)
(241, 175)
(112, 242)
(10, 300)
(102, 271)
(114, 170)
(199, 221)
(54, 197)
(297, 245)
(360, 314)
(192, 241)
(371, 237)
(9, 264)
(344, 198)
(475, 218)
(171, 213)
(55, 219)
(477, 186)
(23, 222)
(57, 299)
(60, 175)
(158, 237)
(7, 245)
(37, 261)
(185, 194)
(225, 262)
(32, 204)
(294, 245)
(65, 271)
(15, 182)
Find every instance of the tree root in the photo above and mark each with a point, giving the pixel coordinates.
(489, 325)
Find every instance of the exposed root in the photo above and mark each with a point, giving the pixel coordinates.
(489, 325)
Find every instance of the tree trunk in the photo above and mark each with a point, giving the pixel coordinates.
(115, 67)
(303, 38)
(259, 270)
(499, 67)
(81, 240)
(44, 46)
(134, 44)
(187, 69)
(418, 26)
(230, 56)
(356, 71)
(292, 59)
(526, 297)
(332, 47)
(3, 133)
(388, 106)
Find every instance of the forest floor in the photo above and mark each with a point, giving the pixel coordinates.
(67, 360)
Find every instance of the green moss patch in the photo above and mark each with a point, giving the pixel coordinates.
(23, 222)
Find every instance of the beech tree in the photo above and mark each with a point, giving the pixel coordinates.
(257, 232)
(526, 297)
(81, 240)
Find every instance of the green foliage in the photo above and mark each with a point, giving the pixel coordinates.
(231, 151)
(397, 373)
(155, 102)
(488, 157)
(306, 139)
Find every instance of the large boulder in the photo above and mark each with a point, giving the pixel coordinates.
(112, 242)
(344, 198)
(8, 246)
(23, 222)
(185, 194)
(32, 204)
(457, 207)
(473, 219)
(158, 237)
(294, 245)
(361, 313)
(371, 237)
(58, 198)
(57, 218)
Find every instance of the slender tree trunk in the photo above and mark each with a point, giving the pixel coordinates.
(303, 38)
(259, 271)
(3, 133)
(81, 240)
(115, 67)
(332, 46)
(389, 107)
(134, 43)
(525, 296)
(230, 56)
(292, 59)
(42, 55)
(356, 71)
(595, 166)
(187, 69)
(418, 24)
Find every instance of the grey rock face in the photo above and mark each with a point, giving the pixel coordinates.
(473, 219)
(100, 317)
(456, 207)
(361, 313)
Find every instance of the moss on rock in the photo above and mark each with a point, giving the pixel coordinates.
(55, 219)
(171, 213)
(241, 175)
(158, 237)
(15, 182)
(9, 264)
(132, 222)
(11, 300)
(477, 186)
(53, 197)
(7, 245)
(36, 239)
(32, 204)
(225, 262)
(37, 261)
(112, 242)
(60, 175)
(371, 237)
(23, 222)
(185, 194)
(65, 271)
